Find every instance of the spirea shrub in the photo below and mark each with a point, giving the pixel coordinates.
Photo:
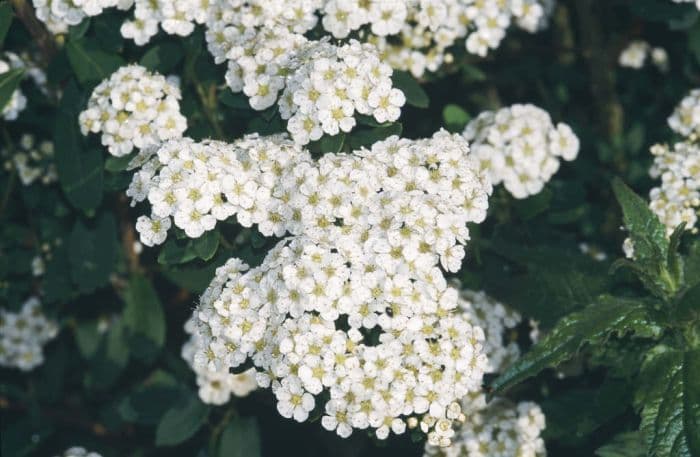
(349, 228)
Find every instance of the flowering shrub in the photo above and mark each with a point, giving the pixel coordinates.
(349, 227)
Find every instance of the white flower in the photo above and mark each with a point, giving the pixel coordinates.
(520, 147)
(23, 334)
(133, 108)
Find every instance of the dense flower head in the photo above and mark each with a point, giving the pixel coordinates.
(318, 86)
(429, 185)
(175, 17)
(677, 198)
(215, 387)
(78, 451)
(133, 108)
(685, 119)
(354, 303)
(417, 37)
(498, 322)
(23, 335)
(520, 147)
(32, 160)
(497, 429)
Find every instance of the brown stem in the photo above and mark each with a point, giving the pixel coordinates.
(41, 36)
(601, 66)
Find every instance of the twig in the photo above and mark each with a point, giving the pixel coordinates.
(42, 37)
(600, 66)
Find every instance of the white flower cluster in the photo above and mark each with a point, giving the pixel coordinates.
(677, 199)
(697, 2)
(23, 334)
(175, 17)
(685, 119)
(422, 31)
(636, 53)
(17, 102)
(216, 387)
(134, 108)
(197, 184)
(317, 86)
(32, 160)
(498, 323)
(354, 304)
(520, 147)
(77, 451)
(497, 429)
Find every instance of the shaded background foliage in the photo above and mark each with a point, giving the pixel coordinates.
(126, 391)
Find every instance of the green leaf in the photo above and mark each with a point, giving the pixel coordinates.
(90, 63)
(415, 95)
(147, 403)
(87, 338)
(367, 137)
(181, 421)
(93, 253)
(651, 246)
(240, 438)
(175, 252)
(75, 32)
(455, 117)
(647, 232)
(117, 164)
(162, 57)
(328, 144)
(608, 315)
(545, 282)
(110, 360)
(628, 444)
(6, 16)
(80, 172)
(144, 319)
(669, 397)
(9, 81)
(206, 245)
(576, 414)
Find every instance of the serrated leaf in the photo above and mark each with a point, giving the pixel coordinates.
(182, 420)
(592, 325)
(6, 16)
(9, 81)
(240, 438)
(651, 246)
(92, 253)
(647, 232)
(669, 397)
(629, 444)
(144, 319)
(415, 95)
(90, 63)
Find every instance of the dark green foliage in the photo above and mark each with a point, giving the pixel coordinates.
(617, 368)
